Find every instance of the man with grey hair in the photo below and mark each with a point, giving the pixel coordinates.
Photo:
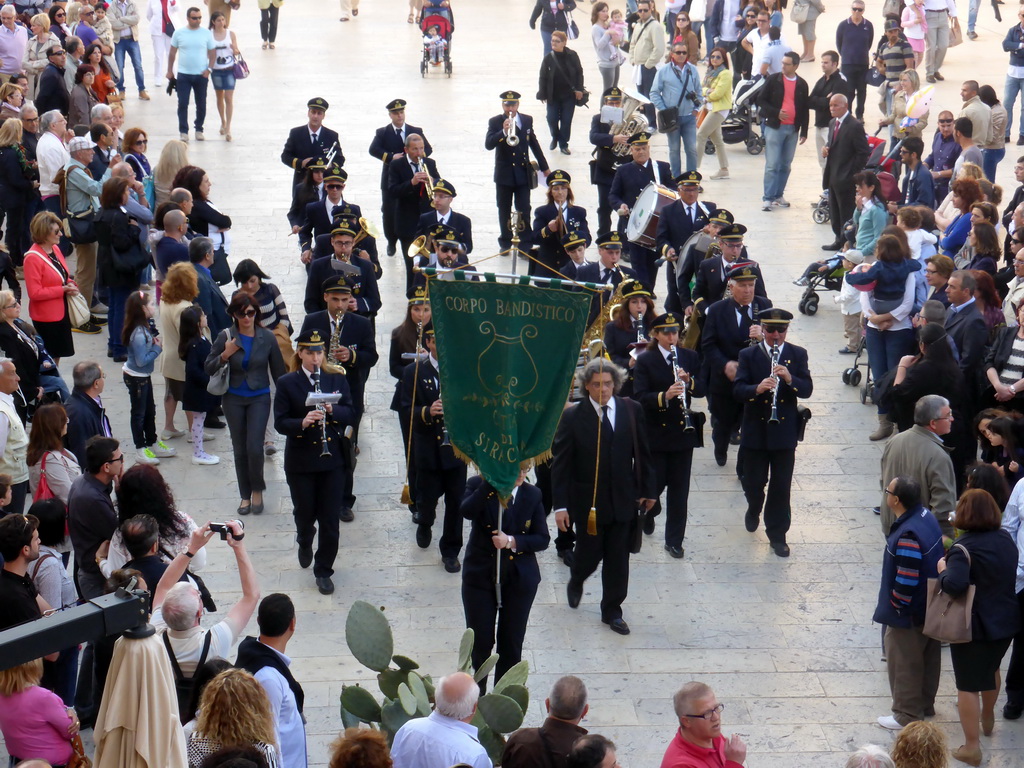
(445, 737)
(700, 731)
(601, 473)
(13, 437)
(965, 325)
(870, 756)
(102, 113)
(178, 606)
(210, 298)
(51, 156)
(919, 453)
(550, 744)
(13, 42)
(86, 416)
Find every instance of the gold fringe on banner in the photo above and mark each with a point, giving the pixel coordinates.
(592, 522)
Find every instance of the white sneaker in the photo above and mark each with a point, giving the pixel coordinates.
(170, 434)
(781, 202)
(100, 310)
(766, 205)
(162, 449)
(146, 456)
(183, 137)
(721, 174)
(205, 458)
(200, 136)
(889, 722)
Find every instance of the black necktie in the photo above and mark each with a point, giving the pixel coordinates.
(745, 320)
(316, 139)
(606, 423)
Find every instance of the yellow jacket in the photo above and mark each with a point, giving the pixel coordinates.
(719, 92)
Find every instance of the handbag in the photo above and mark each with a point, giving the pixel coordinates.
(956, 35)
(875, 77)
(220, 379)
(43, 489)
(80, 227)
(78, 757)
(78, 310)
(948, 619)
(220, 271)
(241, 68)
(800, 12)
(572, 31)
(668, 119)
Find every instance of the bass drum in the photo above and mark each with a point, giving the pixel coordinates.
(643, 219)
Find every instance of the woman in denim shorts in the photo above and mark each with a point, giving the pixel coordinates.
(223, 73)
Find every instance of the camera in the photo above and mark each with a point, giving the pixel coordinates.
(693, 97)
(225, 530)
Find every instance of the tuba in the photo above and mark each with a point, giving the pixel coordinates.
(634, 121)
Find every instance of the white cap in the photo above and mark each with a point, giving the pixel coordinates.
(79, 143)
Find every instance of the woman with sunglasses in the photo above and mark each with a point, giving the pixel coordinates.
(253, 358)
(133, 150)
(717, 90)
(48, 283)
(58, 23)
(742, 60)
(682, 32)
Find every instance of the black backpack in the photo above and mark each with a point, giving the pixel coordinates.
(184, 686)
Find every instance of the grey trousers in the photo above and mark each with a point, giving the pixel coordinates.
(247, 420)
(936, 40)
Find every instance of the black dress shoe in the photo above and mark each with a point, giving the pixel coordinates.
(392, 250)
(325, 585)
(566, 556)
(618, 625)
(1012, 711)
(780, 548)
(751, 520)
(575, 593)
(422, 536)
(832, 246)
(721, 457)
(347, 515)
(451, 564)
(305, 556)
(675, 551)
(214, 424)
(734, 438)
(553, 144)
(648, 522)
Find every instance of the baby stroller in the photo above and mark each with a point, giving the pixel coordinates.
(820, 281)
(740, 125)
(820, 212)
(852, 376)
(442, 19)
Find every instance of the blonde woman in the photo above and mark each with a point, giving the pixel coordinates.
(34, 721)
(177, 292)
(234, 711)
(173, 157)
(39, 41)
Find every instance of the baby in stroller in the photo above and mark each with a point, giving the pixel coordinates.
(434, 45)
(437, 24)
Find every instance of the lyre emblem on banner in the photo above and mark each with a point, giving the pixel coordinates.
(491, 365)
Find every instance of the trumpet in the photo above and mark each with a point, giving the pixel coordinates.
(684, 399)
(510, 133)
(325, 451)
(774, 417)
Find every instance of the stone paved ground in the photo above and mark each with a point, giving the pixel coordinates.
(788, 645)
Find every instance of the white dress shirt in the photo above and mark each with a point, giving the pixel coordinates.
(436, 740)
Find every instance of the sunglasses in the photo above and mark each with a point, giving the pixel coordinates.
(448, 249)
(775, 329)
(59, 15)
(142, 141)
(334, 186)
(248, 313)
(945, 122)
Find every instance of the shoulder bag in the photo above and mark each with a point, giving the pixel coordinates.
(220, 379)
(43, 489)
(572, 31)
(801, 9)
(948, 619)
(78, 310)
(78, 758)
(241, 68)
(668, 118)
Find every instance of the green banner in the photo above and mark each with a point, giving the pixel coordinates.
(507, 355)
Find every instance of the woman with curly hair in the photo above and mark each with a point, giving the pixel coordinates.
(143, 491)
(360, 748)
(920, 745)
(234, 711)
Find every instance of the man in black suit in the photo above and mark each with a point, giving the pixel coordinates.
(966, 327)
(359, 274)
(318, 473)
(607, 270)
(700, 246)
(730, 326)
(601, 445)
(606, 161)
(673, 430)
(408, 178)
(365, 248)
(678, 221)
(356, 349)
(771, 424)
(845, 153)
(711, 276)
(388, 144)
(575, 246)
(522, 533)
(552, 220)
(512, 171)
(439, 472)
(629, 181)
(307, 142)
(321, 215)
(443, 215)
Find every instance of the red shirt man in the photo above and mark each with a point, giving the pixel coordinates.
(699, 742)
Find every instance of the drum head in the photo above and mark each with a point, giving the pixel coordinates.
(640, 216)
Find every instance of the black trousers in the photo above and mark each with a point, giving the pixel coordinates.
(774, 468)
(611, 545)
(505, 196)
(726, 415)
(480, 603)
(672, 471)
(404, 243)
(604, 208)
(1015, 672)
(672, 300)
(841, 204)
(387, 212)
(857, 77)
(431, 486)
(316, 502)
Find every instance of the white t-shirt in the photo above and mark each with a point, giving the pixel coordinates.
(188, 645)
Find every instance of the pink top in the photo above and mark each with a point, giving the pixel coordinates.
(35, 726)
(788, 100)
(684, 754)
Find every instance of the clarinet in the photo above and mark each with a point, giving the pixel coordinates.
(774, 418)
(325, 451)
(683, 396)
(756, 312)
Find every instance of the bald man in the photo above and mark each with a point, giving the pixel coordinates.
(445, 737)
(845, 153)
(172, 247)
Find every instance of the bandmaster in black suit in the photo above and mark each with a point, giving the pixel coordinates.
(769, 447)
(601, 443)
(307, 142)
(552, 220)
(408, 179)
(512, 163)
(523, 532)
(443, 215)
(678, 221)
(389, 143)
(319, 476)
(845, 153)
(673, 431)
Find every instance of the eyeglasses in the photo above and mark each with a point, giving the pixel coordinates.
(117, 459)
(248, 313)
(142, 141)
(709, 714)
(774, 329)
(751, 16)
(30, 119)
(12, 306)
(931, 271)
(334, 186)
(88, 13)
(679, 53)
(887, 492)
(945, 122)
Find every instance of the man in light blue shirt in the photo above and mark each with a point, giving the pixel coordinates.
(445, 737)
(678, 85)
(193, 48)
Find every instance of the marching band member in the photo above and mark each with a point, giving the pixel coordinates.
(443, 215)
(628, 330)
(407, 339)
(307, 142)
(575, 246)
(410, 177)
(365, 291)
(665, 381)
(309, 190)
(605, 162)
(315, 465)
(771, 424)
(711, 276)
(552, 221)
(691, 255)
(321, 214)
(678, 221)
(448, 253)
(607, 270)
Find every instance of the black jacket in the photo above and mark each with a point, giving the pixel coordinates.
(666, 421)
(848, 151)
(299, 146)
(411, 201)
(560, 75)
(824, 90)
(460, 222)
(511, 164)
(992, 569)
(755, 366)
(52, 92)
(356, 334)
(549, 22)
(304, 446)
(85, 419)
(15, 187)
(387, 144)
(119, 255)
(770, 102)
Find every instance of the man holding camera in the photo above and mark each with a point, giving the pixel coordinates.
(677, 88)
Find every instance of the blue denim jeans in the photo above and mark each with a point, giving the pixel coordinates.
(991, 159)
(687, 131)
(135, 54)
(1014, 87)
(972, 15)
(143, 409)
(885, 348)
(186, 85)
(560, 112)
(779, 149)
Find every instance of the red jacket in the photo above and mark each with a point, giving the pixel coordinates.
(684, 754)
(44, 285)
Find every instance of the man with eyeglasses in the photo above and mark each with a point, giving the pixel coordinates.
(646, 49)
(321, 215)
(13, 41)
(355, 265)
(1013, 44)
(699, 741)
(711, 275)
(784, 107)
(52, 92)
(854, 38)
(197, 57)
(917, 186)
(85, 31)
(677, 85)
(945, 152)
(410, 179)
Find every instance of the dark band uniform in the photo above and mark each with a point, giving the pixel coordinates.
(396, 366)
(318, 484)
(459, 222)
(629, 181)
(322, 215)
(523, 519)
(711, 275)
(364, 285)
(726, 332)
(322, 243)
(692, 253)
(622, 476)
(571, 269)
(304, 193)
(770, 449)
(389, 143)
(512, 169)
(617, 340)
(550, 250)
(675, 226)
(596, 272)
(605, 161)
(439, 472)
(299, 144)
(411, 201)
(671, 444)
(442, 236)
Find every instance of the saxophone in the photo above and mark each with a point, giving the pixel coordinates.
(330, 362)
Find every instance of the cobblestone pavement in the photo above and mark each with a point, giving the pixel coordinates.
(787, 644)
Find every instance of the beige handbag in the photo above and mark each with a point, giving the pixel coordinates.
(948, 619)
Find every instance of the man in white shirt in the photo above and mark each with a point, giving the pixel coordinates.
(445, 737)
(13, 439)
(264, 657)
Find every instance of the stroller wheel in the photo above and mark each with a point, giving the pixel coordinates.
(866, 394)
(811, 307)
(820, 215)
(709, 148)
(754, 145)
(855, 377)
(847, 374)
(802, 306)
(423, 69)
